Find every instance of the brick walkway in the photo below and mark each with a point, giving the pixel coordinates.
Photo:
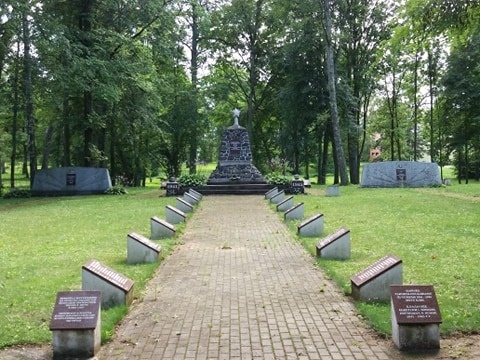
(240, 287)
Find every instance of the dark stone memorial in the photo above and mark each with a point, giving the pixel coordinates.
(75, 324)
(172, 187)
(415, 317)
(235, 158)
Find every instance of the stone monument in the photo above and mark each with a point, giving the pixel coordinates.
(235, 158)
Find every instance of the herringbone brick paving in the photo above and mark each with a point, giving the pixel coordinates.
(241, 287)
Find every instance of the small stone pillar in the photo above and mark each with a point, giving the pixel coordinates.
(76, 324)
(415, 317)
(172, 187)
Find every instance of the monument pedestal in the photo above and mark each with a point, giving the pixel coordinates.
(235, 158)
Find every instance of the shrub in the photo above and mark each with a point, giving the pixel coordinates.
(17, 194)
(116, 190)
(192, 180)
(277, 179)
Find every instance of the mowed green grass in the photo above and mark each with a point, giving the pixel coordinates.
(44, 243)
(434, 231)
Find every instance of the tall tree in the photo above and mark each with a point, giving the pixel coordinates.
(339, 153)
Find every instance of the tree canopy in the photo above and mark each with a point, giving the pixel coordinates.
(145, 86)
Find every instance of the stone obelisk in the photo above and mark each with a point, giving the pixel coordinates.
(235, 157)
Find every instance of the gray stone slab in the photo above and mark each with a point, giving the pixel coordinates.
(372, 284)
(191, 199)
(141, 250)
(278, 198)
(116, 289)
(195, 193)
(296, 212)
(333, 190)
(173, 215)
(285, 204)
(400, 173)
(271, 192)
(71, 181)
(183, 205)
(313, 226)
(161, 229)
(335, 246)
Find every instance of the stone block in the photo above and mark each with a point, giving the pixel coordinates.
(313, 226)
(285, 204)
(161, 229)
(173, 215)
(141, 250)
(335, 246)
(296, 212)
(183, 205)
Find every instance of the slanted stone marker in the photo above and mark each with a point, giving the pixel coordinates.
(296, 212)
(195, 193)
(415, 317)
(235, 162)
(116, 289)
(373, 283)
(278, 197)
(172, 187)
(333, 190)
(270, 193)
(76, 324)
(161, 229)
(285, 204)
(183, 205)
(141, 250)
(174, 215)
(313, 226)
(192, 200)
(335, 246)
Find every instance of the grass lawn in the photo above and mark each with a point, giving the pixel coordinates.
(435, 231)
(44, 243)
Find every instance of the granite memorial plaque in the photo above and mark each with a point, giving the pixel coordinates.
(116, 288)
(297, 187)
(415, 304)
(76, 310)
(191, 199)
(76, 324)
(415, 317)
(373, 283)
(195, 193)
(161, 229)
(172, 188)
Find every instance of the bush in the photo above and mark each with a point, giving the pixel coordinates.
(17, 194)
(116, 190)
(192, 180)
(277, 179)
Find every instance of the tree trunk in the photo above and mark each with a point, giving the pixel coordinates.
(15, 117)
(85, 26)
(339, 154)
(31, 147)
(46, 146)
(194, 79)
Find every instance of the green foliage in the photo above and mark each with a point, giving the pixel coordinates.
(116, 190)
(17, 194)
(64, 233)
(277, 179)
(430, 229)
(189, 180)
